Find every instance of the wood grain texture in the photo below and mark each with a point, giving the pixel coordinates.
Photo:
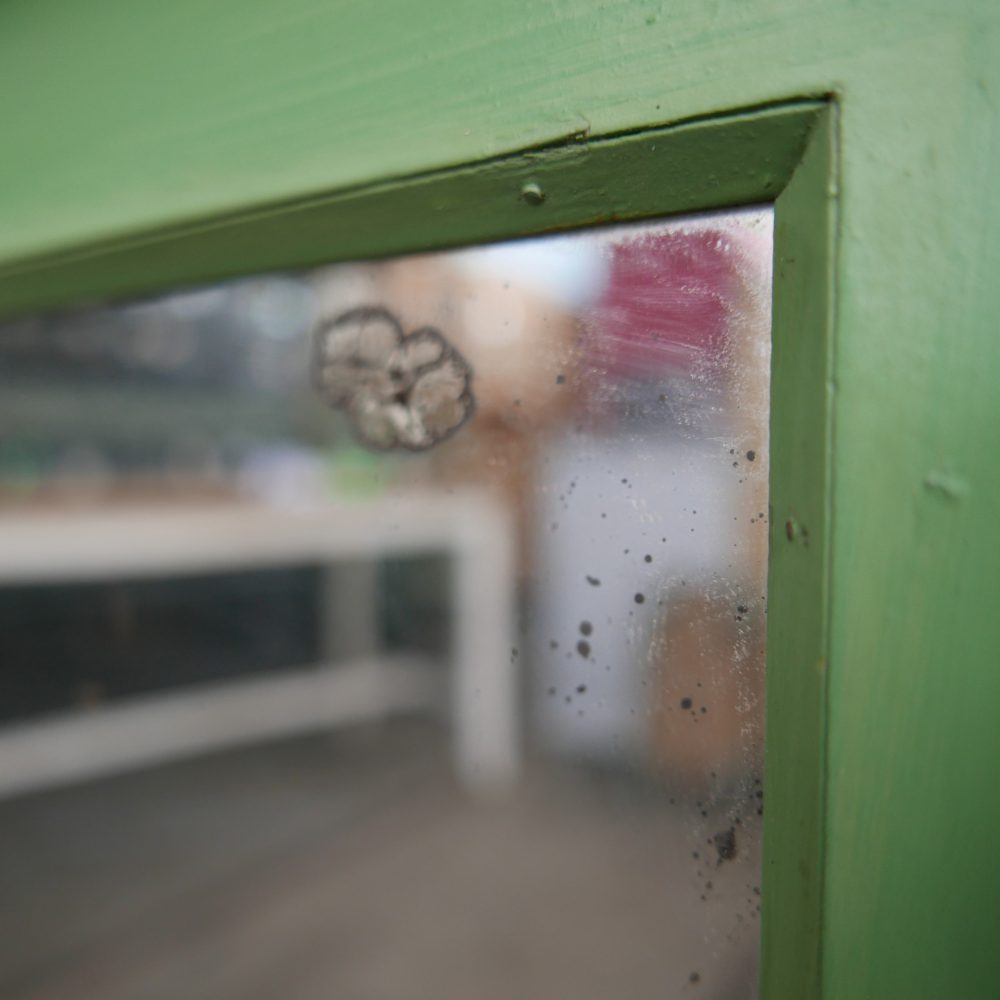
(128, 114)
(912, 907)
(124, 117)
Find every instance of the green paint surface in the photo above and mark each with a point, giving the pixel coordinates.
(799, 570)
(693, 166)
(140, 139)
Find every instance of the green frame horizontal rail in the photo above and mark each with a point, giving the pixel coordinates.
(715, 162)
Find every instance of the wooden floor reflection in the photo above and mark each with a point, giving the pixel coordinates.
(351, 866)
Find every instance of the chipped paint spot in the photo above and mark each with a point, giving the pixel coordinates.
(950, 487)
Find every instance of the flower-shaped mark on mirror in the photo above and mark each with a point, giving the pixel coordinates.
(399, 391)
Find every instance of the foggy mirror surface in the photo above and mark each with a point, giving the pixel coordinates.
(392, 630)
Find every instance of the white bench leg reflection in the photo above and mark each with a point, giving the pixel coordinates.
(485, 695)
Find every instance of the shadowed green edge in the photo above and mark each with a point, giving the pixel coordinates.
(783, 153)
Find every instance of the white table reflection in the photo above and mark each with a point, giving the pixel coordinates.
(354, 683)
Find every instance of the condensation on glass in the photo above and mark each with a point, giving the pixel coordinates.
(394, 629)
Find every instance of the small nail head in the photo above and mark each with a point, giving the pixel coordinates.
(532, 193)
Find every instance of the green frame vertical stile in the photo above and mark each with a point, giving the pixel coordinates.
(799, 570)
(782, 153)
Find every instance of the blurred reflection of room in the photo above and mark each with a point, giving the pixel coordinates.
(621, 383)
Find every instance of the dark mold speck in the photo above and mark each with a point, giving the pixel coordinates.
(725, 844)
(583, 648)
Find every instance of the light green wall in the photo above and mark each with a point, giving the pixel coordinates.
(123, 116)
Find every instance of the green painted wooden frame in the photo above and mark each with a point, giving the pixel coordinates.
(783, 153)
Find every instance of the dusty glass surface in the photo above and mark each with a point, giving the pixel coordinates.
(392, 630)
